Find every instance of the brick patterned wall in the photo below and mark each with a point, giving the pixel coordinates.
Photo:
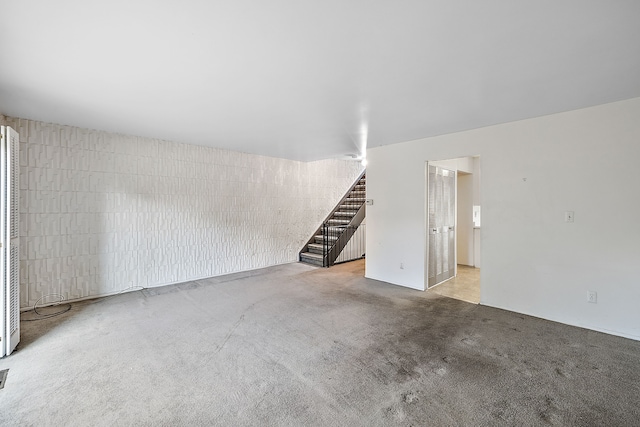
(102, 212)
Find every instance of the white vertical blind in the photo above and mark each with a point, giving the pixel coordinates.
(10, 232)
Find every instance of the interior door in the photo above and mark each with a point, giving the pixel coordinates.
(10, 232)
(441, 187)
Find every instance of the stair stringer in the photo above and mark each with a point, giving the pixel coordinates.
(305, 248)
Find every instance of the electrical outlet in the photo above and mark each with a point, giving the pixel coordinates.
(568, 216)
(592, 296)
(402, 266)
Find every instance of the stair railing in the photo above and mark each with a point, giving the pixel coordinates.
(356, 246)
(337, 207)
(336, 237)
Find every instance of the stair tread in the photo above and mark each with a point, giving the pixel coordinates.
(311, 255)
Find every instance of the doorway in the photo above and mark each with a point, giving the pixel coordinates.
(459, 243)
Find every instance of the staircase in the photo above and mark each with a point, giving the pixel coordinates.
(334, 233)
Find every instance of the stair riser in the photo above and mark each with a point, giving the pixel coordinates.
(320, 240)
(311, 261)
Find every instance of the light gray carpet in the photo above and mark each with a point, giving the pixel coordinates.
(294, 345)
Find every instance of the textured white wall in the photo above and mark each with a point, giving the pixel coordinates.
(102, 212)
(532, 172)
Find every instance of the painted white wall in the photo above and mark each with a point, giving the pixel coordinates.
(464, 222)
(477, 236)
(532, 172)
(103, 212)
(477, 179)
(477, 248)
(464, 164)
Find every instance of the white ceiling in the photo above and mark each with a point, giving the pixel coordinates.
(308, 79)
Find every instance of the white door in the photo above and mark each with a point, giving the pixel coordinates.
(10, 239)
(441, 224)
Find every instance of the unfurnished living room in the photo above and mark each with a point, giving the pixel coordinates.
(300, 213)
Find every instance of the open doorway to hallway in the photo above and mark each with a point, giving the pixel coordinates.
(465, 285)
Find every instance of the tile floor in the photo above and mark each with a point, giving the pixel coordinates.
(465, 286)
